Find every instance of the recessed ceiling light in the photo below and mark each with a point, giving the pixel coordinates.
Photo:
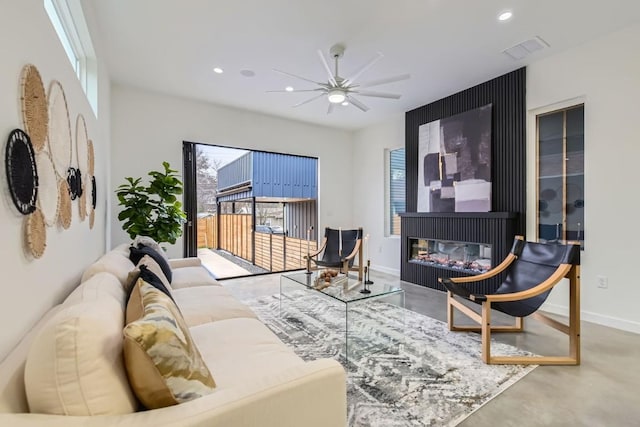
(247, 73)
(218, 70)
(345, 103)
(505, 15)
(288, 89)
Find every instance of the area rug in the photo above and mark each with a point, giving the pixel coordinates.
(404, 369)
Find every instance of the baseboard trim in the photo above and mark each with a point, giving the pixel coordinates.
(600, 319)
(387, 270)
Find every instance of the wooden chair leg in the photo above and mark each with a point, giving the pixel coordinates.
(574, 313)
(486, 332)
(449, 311)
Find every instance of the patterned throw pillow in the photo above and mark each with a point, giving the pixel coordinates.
(163, 363)
(148, 241)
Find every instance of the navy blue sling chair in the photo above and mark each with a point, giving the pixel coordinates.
(532, 271)
(333, 257)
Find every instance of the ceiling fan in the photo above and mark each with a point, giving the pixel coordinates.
(339, 90)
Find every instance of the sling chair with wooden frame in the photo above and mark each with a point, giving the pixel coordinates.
(337, 256)
(533, 269)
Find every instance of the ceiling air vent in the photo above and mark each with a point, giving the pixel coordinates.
(525, 48)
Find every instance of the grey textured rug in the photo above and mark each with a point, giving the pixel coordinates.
(405, 369)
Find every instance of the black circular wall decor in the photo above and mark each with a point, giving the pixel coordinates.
(94, 196)
(22, 175)
(74, 179)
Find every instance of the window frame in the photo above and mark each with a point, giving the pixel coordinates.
(69, 23)
(387, 190)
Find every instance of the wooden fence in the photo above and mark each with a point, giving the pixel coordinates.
(273, 252)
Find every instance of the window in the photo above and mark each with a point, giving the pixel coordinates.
(396, 179)
(561, 175)
(68, 20)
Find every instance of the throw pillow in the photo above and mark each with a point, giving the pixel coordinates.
(163, 363)
(75, 364)
(136, 254)
(149, 242)
(135, 306)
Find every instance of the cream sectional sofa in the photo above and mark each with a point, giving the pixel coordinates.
(259, 380)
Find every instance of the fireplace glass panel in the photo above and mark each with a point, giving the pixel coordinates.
(468, 257)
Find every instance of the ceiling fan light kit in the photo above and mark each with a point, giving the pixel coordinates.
(339, 90)
(337, 96)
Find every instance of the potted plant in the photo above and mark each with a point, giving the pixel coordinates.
(153, 210)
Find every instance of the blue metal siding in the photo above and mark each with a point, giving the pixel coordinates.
(235, 173)
(283, 175)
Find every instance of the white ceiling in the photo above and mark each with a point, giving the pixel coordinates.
(172, 46)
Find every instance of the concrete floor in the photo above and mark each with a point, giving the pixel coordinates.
(603, 391)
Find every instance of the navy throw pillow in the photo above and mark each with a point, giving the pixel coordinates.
(136, 254)
(149, 277)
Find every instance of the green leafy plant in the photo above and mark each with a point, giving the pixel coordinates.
(154, 210)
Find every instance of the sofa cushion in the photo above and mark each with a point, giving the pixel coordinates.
(75, 366)
(163, 363)
(114, 262)
(203, 304)
(136, 254)
(238, 351)
(102, 285)
(187, 277)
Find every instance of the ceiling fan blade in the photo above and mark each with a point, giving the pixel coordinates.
(365, 67)
(358, 104)
(377, 94)
(330, 109)
(385, 81)
(308, 100)
(332, 80)
(294, 91)
(297, 77)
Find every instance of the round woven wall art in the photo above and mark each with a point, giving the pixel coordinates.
(48, 200)
(82, 204)
(91, 170)
(74, 179)
(94, 194)
(59, 129)
(64, 215)
(82, 149)
(35, 234)
(22, 175)
(34, 106)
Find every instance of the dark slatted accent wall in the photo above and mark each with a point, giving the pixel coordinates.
(508, 133)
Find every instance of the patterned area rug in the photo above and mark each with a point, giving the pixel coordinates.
(404, 369)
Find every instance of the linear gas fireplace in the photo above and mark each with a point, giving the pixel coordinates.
(472, 258)
(454, 244)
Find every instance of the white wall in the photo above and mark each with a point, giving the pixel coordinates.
(29, 287)
(148, 128)
(369, 189)
(606, 74)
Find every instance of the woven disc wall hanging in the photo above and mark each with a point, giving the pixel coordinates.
(59, 130)
(94, 195)
(48, 200)
(34, 106)
(22, 175)
(64, 215)
(74, 180)
(82, 148)
(82, 204)
(35, 234)
(91, 170)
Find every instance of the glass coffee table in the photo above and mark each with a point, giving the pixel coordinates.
(346, 295)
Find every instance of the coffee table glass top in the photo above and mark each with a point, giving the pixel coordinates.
(346, 290)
